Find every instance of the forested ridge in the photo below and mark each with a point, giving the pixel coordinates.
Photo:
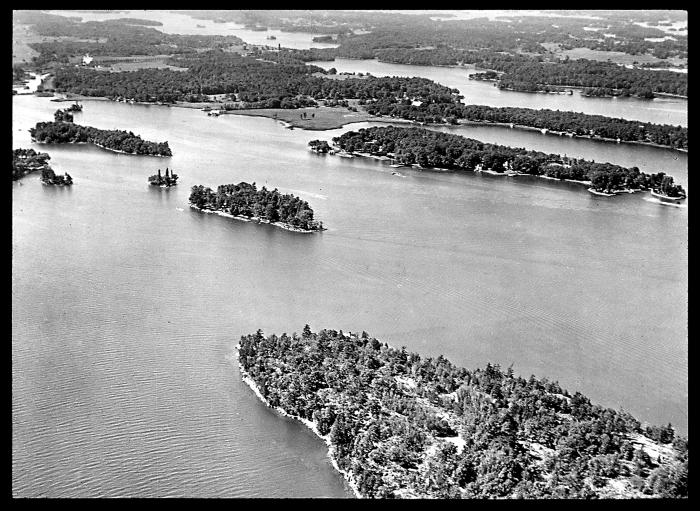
(244, 199)
(116, 140)
(430, 148)
(406, 426)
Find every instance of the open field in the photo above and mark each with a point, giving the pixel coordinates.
(324, 118)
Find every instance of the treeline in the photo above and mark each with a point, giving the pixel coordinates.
(116, 140)
(250, 82)
(25, 161)
(582, 124)
(64, 115)
(246, 200)
(407, 426)
(429, 148)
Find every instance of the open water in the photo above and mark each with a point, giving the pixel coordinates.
(126, 304)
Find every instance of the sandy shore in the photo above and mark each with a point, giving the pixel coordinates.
(349, 477)
(281, 225)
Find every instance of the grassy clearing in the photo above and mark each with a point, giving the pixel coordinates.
(324, 117)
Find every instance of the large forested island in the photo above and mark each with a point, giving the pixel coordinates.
(245, 201)
(113, 140)
(399, 425)
(428, 148)
(25, 161)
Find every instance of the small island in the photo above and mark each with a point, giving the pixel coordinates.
(50, 178)
(244, 201)
(63, 115)
(119, 141)
(399, 425)
(320, 146)
(25, 161)
(424, 148)
(170, 179)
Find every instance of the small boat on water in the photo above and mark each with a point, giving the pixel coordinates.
(345, 155)
(667, 198)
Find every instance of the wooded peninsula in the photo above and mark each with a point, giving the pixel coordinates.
(428, 148)
(245, 201)
(401, 426)
(113, 140)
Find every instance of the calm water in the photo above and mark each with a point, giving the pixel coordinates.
(658, 110)
(126, 304)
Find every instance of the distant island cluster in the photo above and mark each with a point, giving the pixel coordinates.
(399, 425)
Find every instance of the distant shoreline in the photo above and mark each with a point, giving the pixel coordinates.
(338, 120)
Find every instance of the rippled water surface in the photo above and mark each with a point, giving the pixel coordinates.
(126, 304)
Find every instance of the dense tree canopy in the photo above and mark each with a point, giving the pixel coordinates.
(117, 140)
(25, 161)
(246, 200)
(404, 425)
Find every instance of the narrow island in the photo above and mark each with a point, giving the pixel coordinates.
(170, 179)
(50, 178)
(402, 426)
(119, 141)
(424, 148)
(25, 161)
(245, 202)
